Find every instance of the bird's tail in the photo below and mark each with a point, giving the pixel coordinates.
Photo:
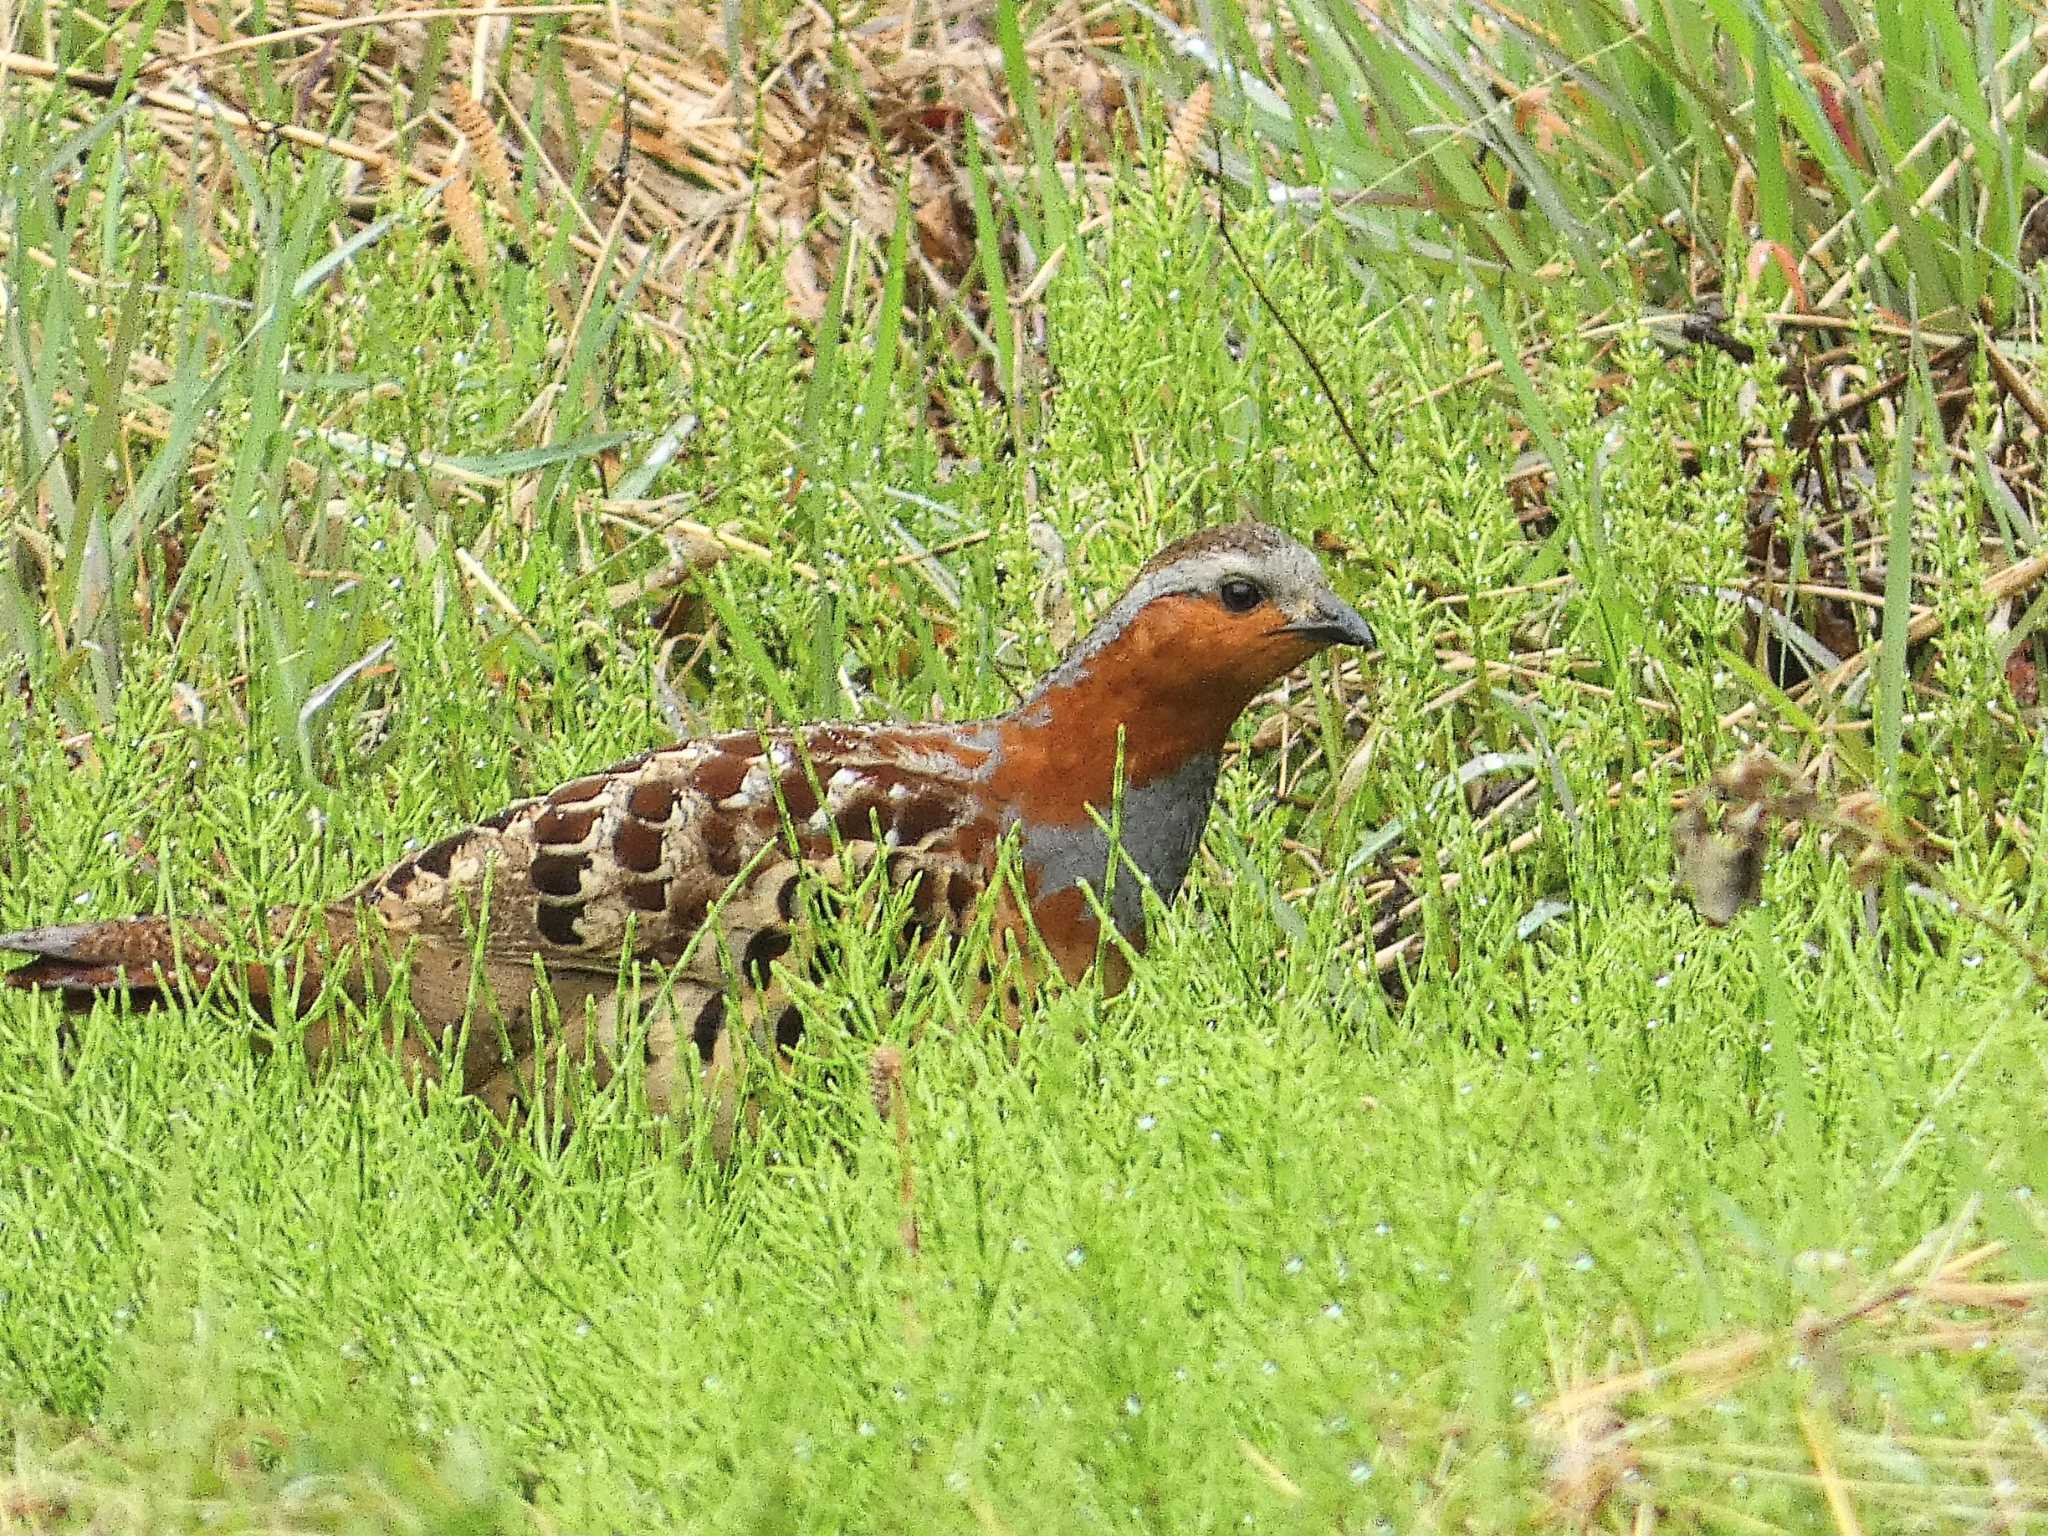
(149, 958)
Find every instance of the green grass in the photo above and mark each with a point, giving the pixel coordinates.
(1264, 1199)
(1778, 149)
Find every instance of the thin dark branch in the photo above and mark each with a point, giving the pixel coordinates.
(1259, 288)
(625, 159)
(1705, 330)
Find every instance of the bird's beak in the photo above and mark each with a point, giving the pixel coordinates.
(1332, 621)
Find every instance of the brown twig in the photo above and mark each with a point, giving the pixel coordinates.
(1279, 318)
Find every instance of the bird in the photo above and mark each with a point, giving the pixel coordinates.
(674, 892)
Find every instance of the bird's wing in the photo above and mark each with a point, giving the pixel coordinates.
(636, 860)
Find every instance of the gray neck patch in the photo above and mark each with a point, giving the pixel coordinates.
(1162, 827)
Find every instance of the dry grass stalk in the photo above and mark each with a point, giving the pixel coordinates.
(1589, 1462)
(1269, 1469)
(802, 151)
(487, 148)
(1648, 1434)
(892, 1102)
(1189, 124)
(465, 220)
(1840, 1507)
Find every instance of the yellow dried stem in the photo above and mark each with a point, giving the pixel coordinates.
(1270, 1470)
(1600, 1435)
(1189, 124)
(885, 1077)
(703, 143)
(465, 220)
(474, 123)
(892, 1102)
(1833, 1487)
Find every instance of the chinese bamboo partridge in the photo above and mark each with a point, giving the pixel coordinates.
(684, 866)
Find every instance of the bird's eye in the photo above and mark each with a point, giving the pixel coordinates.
(1240, 595)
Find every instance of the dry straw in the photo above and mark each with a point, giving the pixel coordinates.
(1646, 1442)
(465, 220)
(646, 125)
(1189, 124)
(486, 146)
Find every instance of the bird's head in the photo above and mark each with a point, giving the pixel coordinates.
(1215, 618)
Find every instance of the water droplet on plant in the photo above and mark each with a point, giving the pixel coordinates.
(1076, 1256)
